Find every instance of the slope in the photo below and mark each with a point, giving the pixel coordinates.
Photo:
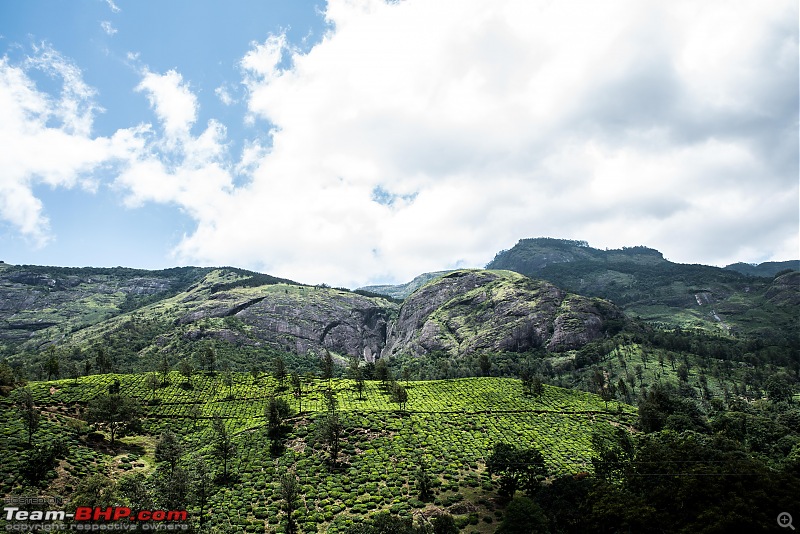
(646, 285)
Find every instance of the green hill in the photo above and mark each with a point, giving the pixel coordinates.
(381, 446)
(646, 285)
(767, 269)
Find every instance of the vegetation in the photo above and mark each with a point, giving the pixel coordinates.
(248, 436)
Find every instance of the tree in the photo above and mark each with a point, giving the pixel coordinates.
(276, 411)
(537, 385)
(485, 364)
(133, 489)
(172, 488)
(201, 359)
(327, 366)
(71, 370)
(400, 396)
(7, 375)
(604, 387)
(613, 453)
(424, 482)
(152, 383)
(201, 486)
(27, 410)
(117, 413)
(211, 358)
(169, 449)
(224, 447)
(164, 368)
(406, 375)
(526, 377)
(683, 372)
(255, 372)
(779, 388)
(517, 468)
(297, 388)
(186, 369)
(353, 369)
(382, 371)
(622, 388)
(51, 366)
(289, 490)
(195, 412)
(227, 379)
(360, 385)
(329, 432)
(639, 374)
(87, 367)
(102, 361)
(444, 524)
(523, 516)
(94, 490)
(279, 370)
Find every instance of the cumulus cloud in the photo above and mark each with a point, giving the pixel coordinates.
(426, 134)
(175, 166)
(47, 140)
(420, 135)
(173, 102)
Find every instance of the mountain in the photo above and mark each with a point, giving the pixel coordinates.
(767, 269)
(472, 311)
(139, 318)
(402, 291)
(646, 285)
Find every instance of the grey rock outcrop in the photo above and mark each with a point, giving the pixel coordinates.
(473, 310)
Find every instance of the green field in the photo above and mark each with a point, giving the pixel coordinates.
(451, 424)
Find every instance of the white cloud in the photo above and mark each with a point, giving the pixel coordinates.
(424, 134)
(108, 27)
(113, 6)
(618, 122)
(47, 140)
(224, 95)
(175, 105)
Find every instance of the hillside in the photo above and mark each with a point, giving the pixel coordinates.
(57, 322)
(381, 446)
(248, 317)
(646, 285)
(471, 311)
(767, 269)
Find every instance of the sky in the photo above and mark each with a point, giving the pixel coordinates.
(356, 142)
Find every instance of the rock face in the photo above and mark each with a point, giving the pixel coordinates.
(315, 319)
(139, 315)
(785, 290)
(41, 304)
(474, 310)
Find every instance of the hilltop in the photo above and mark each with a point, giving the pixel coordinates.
(646, 285)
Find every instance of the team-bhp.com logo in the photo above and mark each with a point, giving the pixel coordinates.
(116, 513)
(94, 518)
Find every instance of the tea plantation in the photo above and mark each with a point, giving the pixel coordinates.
(450, 426)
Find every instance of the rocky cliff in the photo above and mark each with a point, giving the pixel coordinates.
(138, 316)
(476, 310)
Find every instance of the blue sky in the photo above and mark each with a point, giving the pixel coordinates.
(360, 141)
